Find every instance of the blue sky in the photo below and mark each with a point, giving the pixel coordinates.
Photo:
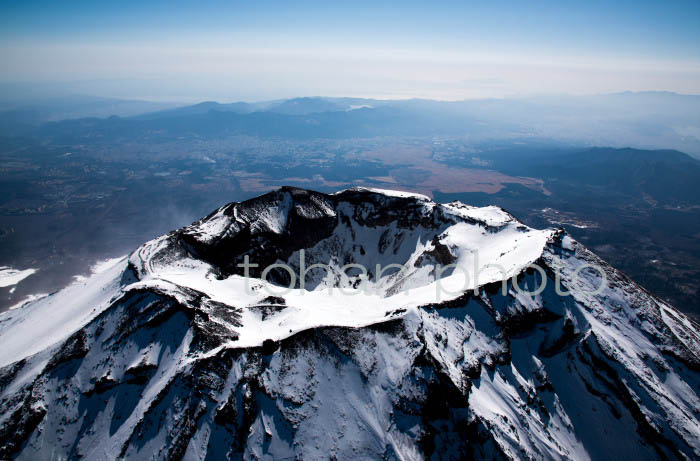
(260, 50)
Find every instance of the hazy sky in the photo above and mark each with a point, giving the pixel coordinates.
(175, 50)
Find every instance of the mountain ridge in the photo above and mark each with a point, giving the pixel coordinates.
(169, 356)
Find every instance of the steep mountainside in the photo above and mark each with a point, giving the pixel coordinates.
(450, 353)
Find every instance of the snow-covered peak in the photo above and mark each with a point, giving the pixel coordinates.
(443, 347)
(386, 192)
(381, 252)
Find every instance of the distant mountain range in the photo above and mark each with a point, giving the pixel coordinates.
(645, 120)
(666, 176)
(22, 114)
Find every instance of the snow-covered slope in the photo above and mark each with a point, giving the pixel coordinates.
(174, 353)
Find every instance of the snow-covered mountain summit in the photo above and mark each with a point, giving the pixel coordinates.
(365, 324)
